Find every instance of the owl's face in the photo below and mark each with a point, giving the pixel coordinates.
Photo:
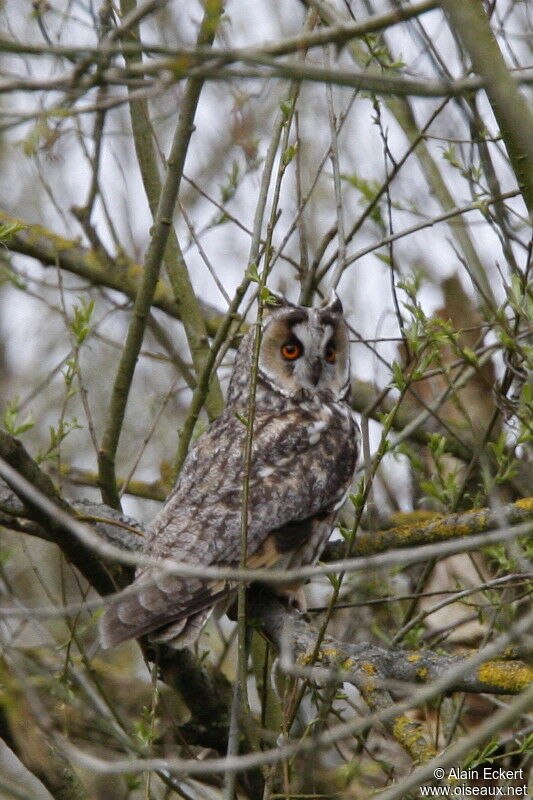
(306, 348)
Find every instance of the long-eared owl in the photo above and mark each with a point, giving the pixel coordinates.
(304, 450)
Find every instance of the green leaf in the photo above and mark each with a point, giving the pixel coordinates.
(10, 421)
(286, 109)
(346, 533)
(470, 356)
(80, 325)
(289, 154)
(267, 297)
(335, 581)
(227, 191)
(253, 274)
(437, 444)
(482, 755)
(7, 230)
(7, 275)
(358, 498)
(399, 379)
(57, 436)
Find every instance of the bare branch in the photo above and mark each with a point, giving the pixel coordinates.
(154, 256)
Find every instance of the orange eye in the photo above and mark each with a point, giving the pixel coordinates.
(331, 353)
(291, 350)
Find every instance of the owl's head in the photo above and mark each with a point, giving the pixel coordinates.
(301, 348)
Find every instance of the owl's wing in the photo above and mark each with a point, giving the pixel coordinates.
(301, 465)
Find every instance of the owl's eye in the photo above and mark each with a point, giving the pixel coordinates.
(330, 353)
(292, 349)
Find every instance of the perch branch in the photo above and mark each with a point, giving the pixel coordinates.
(364, 662)
(367, 666)
(341, 731)
(371, 668)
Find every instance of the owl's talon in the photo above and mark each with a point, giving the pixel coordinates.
(293, 598)
(299, 601)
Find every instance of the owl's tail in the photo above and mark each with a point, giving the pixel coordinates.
(168, 609)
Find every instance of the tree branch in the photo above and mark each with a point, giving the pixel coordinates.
(441, 529)
(89, 565)
(369, 667)
(306, 40)
(143, 137)
(154, 256)
(343, 730)
(121, 273)
(365, 664)
(513, 114)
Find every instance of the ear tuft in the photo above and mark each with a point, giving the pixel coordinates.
(332, 303)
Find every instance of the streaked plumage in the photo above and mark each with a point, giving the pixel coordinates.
(303, 458)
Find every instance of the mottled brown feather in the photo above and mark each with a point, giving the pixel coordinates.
(303, 456)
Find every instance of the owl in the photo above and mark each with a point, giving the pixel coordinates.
(304, 450)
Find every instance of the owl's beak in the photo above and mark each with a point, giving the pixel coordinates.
(316, 371)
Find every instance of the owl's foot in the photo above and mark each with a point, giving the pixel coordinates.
(293, 597)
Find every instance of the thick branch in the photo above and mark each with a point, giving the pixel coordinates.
(370, 668)
(122, 274)
(206, 694)
(14, 453)
(357, 663)
(514, 116)
(367, 666)
(312, 743)
(441, 529)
